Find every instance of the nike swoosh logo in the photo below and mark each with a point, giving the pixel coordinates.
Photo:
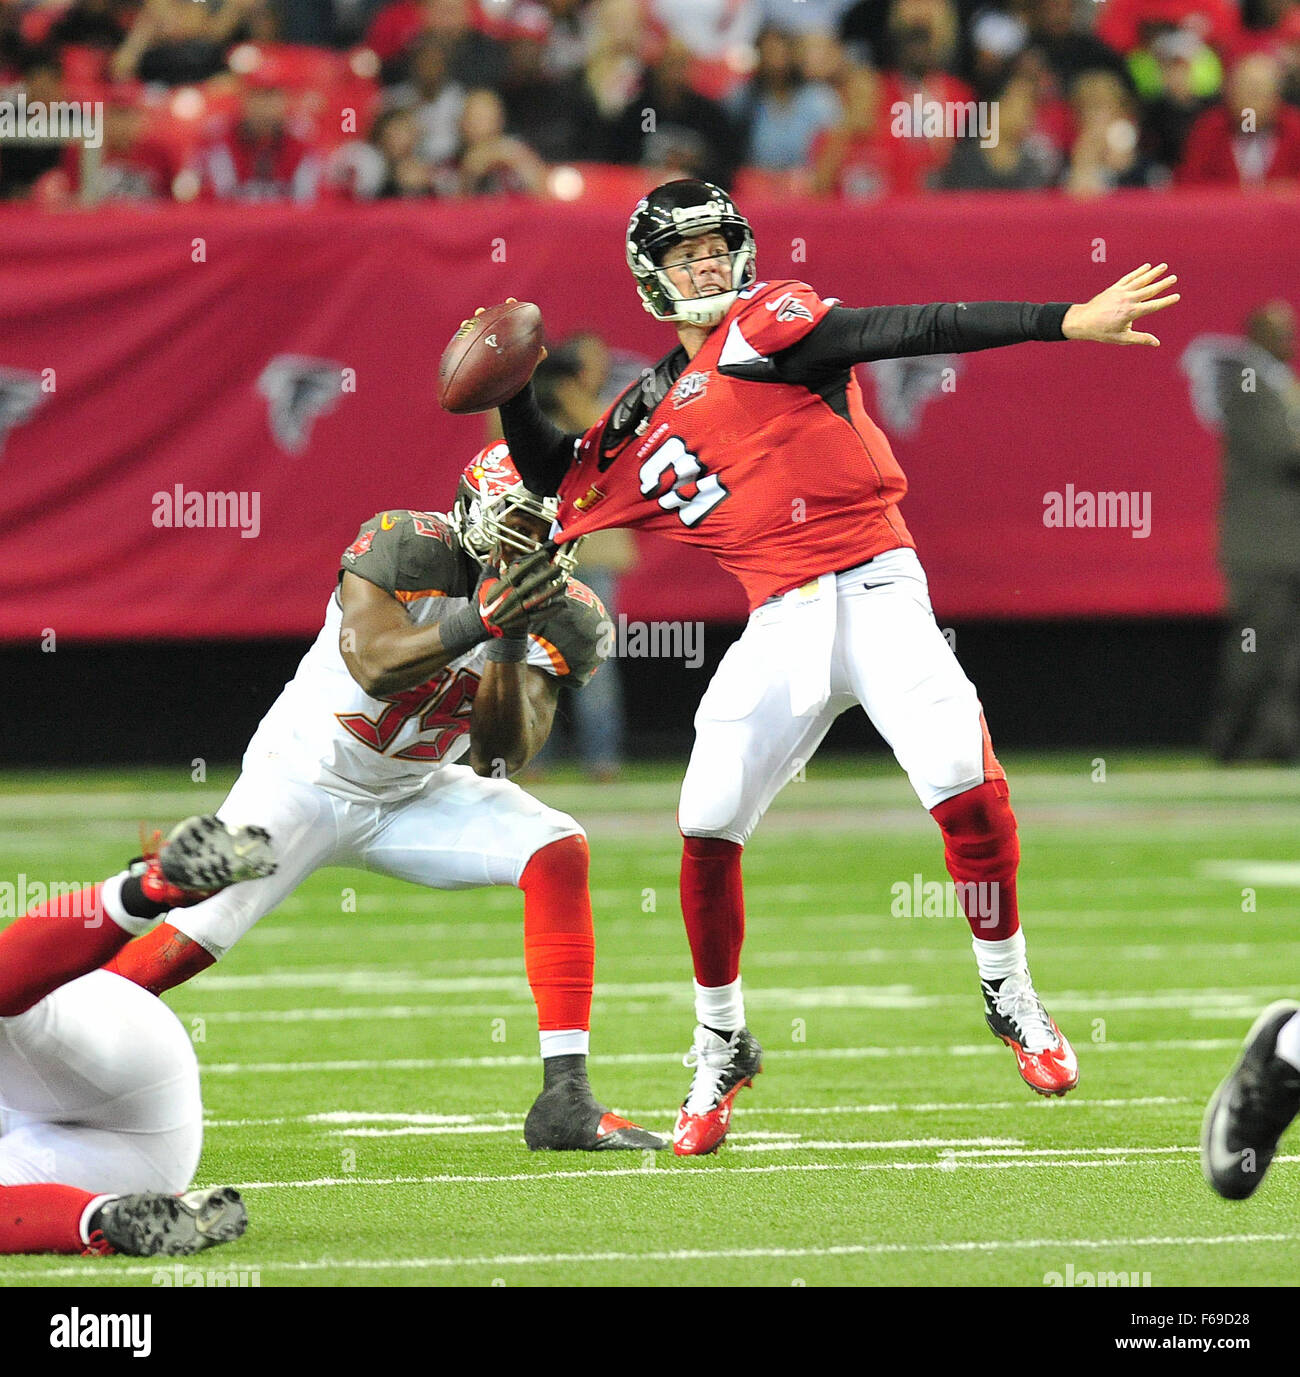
(1219, 1149)
(387, 522)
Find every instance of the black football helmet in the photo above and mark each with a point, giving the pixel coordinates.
(669, 214)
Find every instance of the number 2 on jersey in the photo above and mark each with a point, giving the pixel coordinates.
(677, 480)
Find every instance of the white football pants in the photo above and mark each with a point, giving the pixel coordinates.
(866, 636)
(99, 1089)
(461, 831)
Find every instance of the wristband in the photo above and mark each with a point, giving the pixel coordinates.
(508, 649)
(462, 631)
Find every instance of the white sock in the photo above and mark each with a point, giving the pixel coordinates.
(564, 1042)
(996, 960)
(88, 1213)
(720, 1006)
(1288, 1041)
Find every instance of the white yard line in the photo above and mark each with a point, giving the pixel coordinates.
(1203, 1003)
(990, 1147)
(467, 1121)
(102, 1270)
(705, 1169)
(230, 1068)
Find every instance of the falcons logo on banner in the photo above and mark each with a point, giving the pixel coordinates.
(20, 395)
(903, 386)
(298, 392)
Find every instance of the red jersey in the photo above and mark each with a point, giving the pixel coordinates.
(779, 481)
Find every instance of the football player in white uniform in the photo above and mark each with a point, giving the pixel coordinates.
(448, 635)
(100, 1117)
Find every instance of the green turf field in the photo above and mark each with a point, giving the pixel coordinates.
(366, 1073)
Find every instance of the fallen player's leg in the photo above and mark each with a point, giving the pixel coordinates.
(99, 1085)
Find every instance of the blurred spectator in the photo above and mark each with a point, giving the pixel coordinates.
(1121, 23)
(13, 47)
(564, 43)
(1251, 139)
(1018, 160)
(1168, 116)
(858, 158)
(132, 169)
(922, 46)
(180, 41)
(556, 118)
(670, 126)
(1284, 43)
(824, 60)
(1149, 62)
(93, 24)
(390, 164)
(433, 97)
(22, 164)
(326, 23)
(1069, 48)
(710, 29)
(1107, 152)
(473, 59)
(1258, 712)
(261, 159)
(862, 28)
(615, 68)
(490, 162)
(803, 16)
(996, 40)
(782, 112)
(1054, 119)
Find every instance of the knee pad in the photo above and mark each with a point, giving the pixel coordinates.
(712, 796)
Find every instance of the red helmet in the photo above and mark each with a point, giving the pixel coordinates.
(489, 488)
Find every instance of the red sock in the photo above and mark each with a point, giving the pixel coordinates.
(55, 942)
(42, 1219)
(981, 848)
(161, 959)
(713, 905)
(559, 943)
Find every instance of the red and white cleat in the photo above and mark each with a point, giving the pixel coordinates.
(722, 1069)
(1014, 1013)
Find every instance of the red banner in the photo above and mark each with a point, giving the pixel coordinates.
(199, 406)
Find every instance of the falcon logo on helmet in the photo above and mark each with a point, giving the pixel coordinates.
(490, 488)
(676, 211)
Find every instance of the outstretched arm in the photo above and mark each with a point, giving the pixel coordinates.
(846, 336)
(541, 450)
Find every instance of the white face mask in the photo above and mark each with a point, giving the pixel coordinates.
(704, 310)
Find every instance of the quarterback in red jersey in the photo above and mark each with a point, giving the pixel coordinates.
(750, 440)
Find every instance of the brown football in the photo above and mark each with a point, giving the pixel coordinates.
(490, 358)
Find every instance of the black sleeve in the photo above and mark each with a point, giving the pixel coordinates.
(848, 335)
(541, 450)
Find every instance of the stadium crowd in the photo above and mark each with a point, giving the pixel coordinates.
(302, 100)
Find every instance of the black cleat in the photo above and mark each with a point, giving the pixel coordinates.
(566, 1117)
(151, 1223)
(1250, 1111)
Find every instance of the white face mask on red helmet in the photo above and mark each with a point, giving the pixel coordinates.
(490, 489)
